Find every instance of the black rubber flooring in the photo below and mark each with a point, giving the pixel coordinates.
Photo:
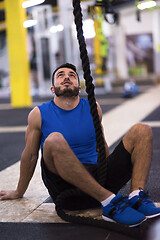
(14, 117)
(149, 230)
(56, 231)
(11, 147)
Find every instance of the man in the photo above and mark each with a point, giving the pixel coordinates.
(64, 129)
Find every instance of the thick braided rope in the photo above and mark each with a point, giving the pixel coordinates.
(90, 90)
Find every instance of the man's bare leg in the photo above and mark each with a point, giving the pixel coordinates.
(60, 159)
(138, 142)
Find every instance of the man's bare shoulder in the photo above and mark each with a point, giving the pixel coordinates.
(34, 118)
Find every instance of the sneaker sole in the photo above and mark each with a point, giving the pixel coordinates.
(131, 225)
(152, 216)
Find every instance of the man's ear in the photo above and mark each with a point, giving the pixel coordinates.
(79, 89)
(52, 89)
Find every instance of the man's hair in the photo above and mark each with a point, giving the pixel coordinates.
(65, 65)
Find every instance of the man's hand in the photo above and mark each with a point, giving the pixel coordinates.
(9, 195)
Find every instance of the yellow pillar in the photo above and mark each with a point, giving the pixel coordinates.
(97, 40)
(18, 57)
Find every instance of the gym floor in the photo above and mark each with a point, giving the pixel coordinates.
(34, 216)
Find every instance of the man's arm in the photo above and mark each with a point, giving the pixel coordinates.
(100, 118)
(29, 156)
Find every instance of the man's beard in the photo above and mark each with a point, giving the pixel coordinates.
(67, 92)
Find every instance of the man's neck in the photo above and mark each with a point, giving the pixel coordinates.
(66, 103)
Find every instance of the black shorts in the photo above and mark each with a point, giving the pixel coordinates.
(119, 171)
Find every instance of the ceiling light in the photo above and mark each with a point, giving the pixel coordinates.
(55, 29)
(144, 5)
(29, 23)
(31, 3)
(88, 28)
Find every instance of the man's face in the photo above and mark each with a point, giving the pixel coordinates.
(65, 83)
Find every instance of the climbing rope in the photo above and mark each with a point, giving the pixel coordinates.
(102, 163)
(90, 91)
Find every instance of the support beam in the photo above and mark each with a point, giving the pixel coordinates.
(17, 51)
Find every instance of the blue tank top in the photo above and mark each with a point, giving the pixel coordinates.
(75, 125)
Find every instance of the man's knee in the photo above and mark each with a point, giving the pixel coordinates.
(54, 141)
(142, 130)
(138, 133)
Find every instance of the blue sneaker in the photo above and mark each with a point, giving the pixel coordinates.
(119, 211)
(144, 205)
